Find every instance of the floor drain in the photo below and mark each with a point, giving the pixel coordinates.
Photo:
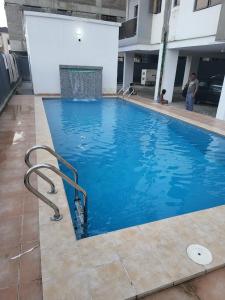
(199, 254)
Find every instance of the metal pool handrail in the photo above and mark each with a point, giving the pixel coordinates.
(131, 93)
(57, 216)
(62, 160)
(121, 90)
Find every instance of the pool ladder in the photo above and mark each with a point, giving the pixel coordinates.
(124, 91)
(81, 206)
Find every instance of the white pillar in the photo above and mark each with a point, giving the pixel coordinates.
(127, 10)
(192, 65)
(128, 69)
(169, 73)
(221, 107)
(158, 72)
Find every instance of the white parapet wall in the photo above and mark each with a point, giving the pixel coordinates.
(54, 40)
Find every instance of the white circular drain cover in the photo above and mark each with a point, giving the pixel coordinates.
(199, 254)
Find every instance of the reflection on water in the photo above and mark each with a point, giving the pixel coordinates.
(136, 165)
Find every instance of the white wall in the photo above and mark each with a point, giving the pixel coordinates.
(157, 25)
(185, 23)
(169, 73)
(130, 8)
(221, 107)
(52, 40)
(128, 70)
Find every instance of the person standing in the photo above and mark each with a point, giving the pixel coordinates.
(192, 89)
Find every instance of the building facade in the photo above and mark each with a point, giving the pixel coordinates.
(90, 45)
(108, 10)
(170, 29)
(4, 40)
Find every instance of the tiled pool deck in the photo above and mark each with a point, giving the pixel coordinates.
(19, 229)
(127, 263)
(124, 264)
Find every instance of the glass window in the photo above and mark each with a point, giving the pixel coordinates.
(215, 2)
(136, 11)
(200, 4)
(109, 18)
(157, 6)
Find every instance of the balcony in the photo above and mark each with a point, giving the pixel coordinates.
(128, 29)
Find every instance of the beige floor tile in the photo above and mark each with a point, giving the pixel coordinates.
(146, 272)
(72, 287)
(64, 257)
(124, 235)
(111, 282)
(97, 251)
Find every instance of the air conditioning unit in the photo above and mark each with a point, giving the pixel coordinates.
(148, 76)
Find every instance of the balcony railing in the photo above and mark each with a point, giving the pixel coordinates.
(128, 29)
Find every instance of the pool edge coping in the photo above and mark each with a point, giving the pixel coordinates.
(43, 136)
(163, 109)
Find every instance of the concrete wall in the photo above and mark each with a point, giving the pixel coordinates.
(144, 22)
(93, 9)
(52, 40)
(157, 25)
(185, 23)
(130, 8)
(149, 25)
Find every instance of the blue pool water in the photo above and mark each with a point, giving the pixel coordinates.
(136, 165)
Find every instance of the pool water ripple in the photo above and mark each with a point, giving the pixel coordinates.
(136, 165)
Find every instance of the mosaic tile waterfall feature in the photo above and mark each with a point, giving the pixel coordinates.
(81, 82)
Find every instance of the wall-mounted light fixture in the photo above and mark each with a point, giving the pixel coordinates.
(79, 34)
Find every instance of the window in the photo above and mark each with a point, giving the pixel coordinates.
(109, 18)
(64, 12)
(155, 6)
(136, 11)
(201, 4)
(176, 3)
(215, 2)
(138, 59)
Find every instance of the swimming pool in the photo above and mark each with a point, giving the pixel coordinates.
(136, 165)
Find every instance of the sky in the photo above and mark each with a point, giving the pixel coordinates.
(2, 14)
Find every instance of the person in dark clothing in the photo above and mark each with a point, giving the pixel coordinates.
(161, 98)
